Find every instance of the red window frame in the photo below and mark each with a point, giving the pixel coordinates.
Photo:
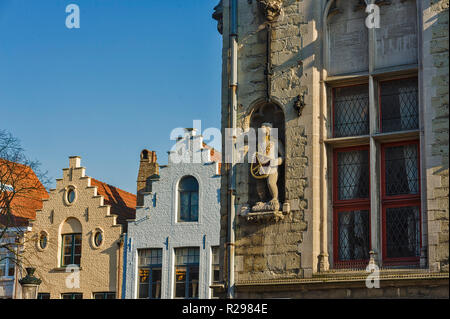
(346, 205)
(333, 93)
(399, 201)
(380, 118)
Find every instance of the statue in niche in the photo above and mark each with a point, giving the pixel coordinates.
(264, 169)
(266, 184)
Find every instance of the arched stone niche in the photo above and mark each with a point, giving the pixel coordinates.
(265, 112)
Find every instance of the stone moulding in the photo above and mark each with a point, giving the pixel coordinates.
(355, 277)
(276, 215)
(271, 8)
(264, 216)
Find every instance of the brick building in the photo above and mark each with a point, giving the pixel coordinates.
(361, 110)
(76, 242)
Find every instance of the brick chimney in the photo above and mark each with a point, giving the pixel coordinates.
(148, 169)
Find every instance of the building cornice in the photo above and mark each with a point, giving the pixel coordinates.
(361, 277)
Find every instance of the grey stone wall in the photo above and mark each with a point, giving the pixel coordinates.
(438, 191)
(292, 248)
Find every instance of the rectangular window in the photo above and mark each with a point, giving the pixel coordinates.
(399, 105)
(72, 295)
(351, 207)
(7, 265)
(3, 264)
(187, 272)
(43, 295)
(215, 264)
(188, 206)
(104, 295)
(401, 203)
(351, 111)
(71, 249)
(150, 271)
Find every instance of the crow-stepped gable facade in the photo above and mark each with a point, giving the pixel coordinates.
(172, 245)
(76, 244)
(362, 112)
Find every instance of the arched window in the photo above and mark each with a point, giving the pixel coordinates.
(71, 234)
(188, 199)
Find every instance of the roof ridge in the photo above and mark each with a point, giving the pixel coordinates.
(112, 186)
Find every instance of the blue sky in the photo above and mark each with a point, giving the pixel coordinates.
(135, 70)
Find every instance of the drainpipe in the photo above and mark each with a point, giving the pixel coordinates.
(124, 240)
(231, 171)
(269, 62)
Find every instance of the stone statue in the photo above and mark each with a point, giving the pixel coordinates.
(264, 168)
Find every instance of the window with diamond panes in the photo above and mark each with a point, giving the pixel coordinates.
(399, 105)
(150, 268)
(353, 235)
(401, 170)
(351, 111)
(351, 207)
(353, 174)
(402, 232)
(401, 203)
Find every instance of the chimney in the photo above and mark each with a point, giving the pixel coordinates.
(74, 161)
(148, 169)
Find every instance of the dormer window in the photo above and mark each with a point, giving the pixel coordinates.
(188, 199)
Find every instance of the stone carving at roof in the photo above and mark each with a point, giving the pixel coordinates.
(271, 8)
(218, 15)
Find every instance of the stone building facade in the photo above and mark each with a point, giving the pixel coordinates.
(76, 242)
(361, 108)
(172, 244)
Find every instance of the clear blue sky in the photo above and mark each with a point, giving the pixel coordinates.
(135, 70)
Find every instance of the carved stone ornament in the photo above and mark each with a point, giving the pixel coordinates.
(218, 16)
(271, 8)
(299, 104)
(246, 212)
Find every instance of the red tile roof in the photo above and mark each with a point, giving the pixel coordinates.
(123, 204)
(215, 155)
(29, 193)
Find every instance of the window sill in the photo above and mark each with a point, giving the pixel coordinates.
(398, 136)
(348, 141)
(63, 269)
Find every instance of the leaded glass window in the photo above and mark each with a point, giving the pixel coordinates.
(353, 233)
(351, 111)
(402, 232)
(399, 105)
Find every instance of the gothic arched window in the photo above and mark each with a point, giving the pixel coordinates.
(188, 199)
